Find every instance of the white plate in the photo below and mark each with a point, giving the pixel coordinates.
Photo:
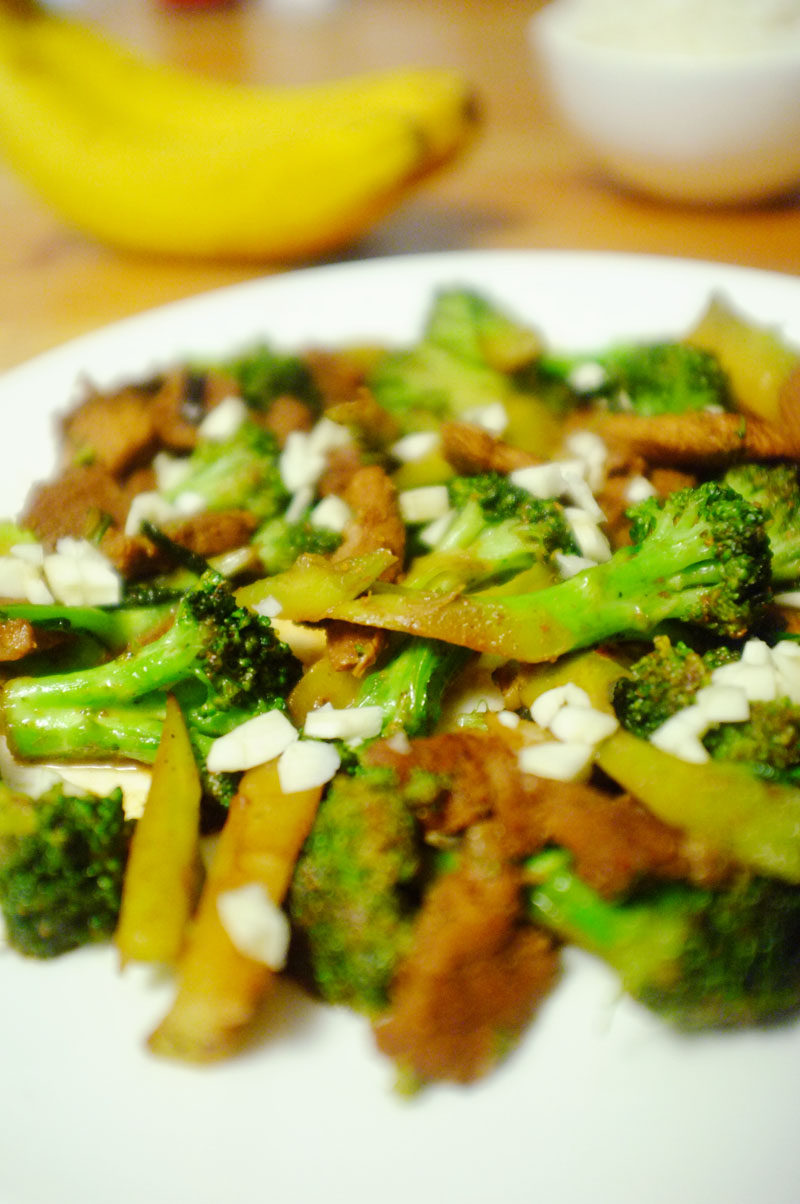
(601, 1104)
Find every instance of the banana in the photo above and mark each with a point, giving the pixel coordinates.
(276, 195)
(148, 157)
(141, 89)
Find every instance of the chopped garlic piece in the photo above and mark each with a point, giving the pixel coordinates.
(587, 377)
(171, 471)
(268, 607)
(332, 513)
(148, 506)
(434, 531)
(569, 564)
(582, 723)
(591, 541)
(541, 480)
(680, 735)
(639, 489)
(251, 743)
(759, 682)
(31, 553)
(299, 464)
(306, 764)
(492, 418)
(415, 446)
(255, 924)
(224, 420)
(561, 760)
(545, 708)
(424, 504)
(756, 652)
(344, 723)
(592, 452)
(509, 719)
(21, 580)
(723, 704)
(80, 575)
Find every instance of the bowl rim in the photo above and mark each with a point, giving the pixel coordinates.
(554, 29)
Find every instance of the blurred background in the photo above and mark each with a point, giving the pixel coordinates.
(526, 181)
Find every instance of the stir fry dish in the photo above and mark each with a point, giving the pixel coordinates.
(434, 661)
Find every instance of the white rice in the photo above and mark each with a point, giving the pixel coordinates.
(686, 26)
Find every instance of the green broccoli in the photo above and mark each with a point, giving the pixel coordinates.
(240, 472)
(280, 541)
(663, 682)
(222, 662)
(768, 742)
(117, 628)
(698, 957)
(409, 687)
(465, 360)
(775, 489)
(356, 886)
(263, 374)
(496, 530)
(666, 680)
(644, 379)
(62, 859)
(699, 557)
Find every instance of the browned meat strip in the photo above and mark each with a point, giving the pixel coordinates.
(76, 503)
(470, 449)
(472, 980)
(115, 430)
(701, 440)
(376, 523)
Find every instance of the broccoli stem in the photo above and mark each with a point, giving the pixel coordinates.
(116, 627)
(641, 943)
(700, 558)
(410, 687)
(62, 733)
(609, 600)
(155, 666)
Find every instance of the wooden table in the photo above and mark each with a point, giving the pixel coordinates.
(524, 184)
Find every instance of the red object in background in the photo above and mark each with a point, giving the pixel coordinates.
(197, 3)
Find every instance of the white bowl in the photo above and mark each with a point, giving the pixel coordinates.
(696, 125)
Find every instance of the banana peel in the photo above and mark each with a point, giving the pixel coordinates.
(151, 158)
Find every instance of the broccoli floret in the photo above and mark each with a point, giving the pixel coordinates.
(222, 662)
(775, 489)
(663, 682)
(240, 472)
(496, 530)
(768, 742)
(355, 888)
(699, 958)
(410, 686)
(644, 379)
(666, 680)
(472, 327)
(263, 374)
(699, 557)
(465, 359)
(280, 541)
(62, 859)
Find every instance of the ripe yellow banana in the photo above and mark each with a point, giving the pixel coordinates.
(142, 89)
(145, 156)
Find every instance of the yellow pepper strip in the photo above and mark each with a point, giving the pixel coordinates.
(163, 871)
(754, 821)
(219, 988)
(308, 590)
